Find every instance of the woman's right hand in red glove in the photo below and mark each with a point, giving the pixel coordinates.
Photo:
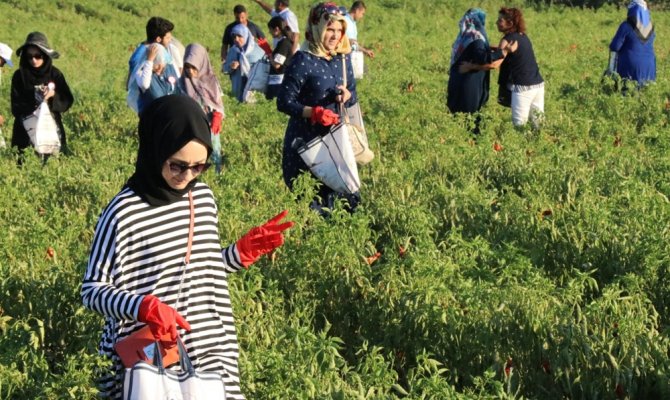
(324, 116)
(217, 118)
(161, 318)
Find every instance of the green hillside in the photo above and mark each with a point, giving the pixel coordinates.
(538, 271)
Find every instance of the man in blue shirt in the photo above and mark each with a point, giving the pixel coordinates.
(355, 14)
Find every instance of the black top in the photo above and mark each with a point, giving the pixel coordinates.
(470, 91)
(520, 67)
(228, 37)
(24, 101)
(281, 55)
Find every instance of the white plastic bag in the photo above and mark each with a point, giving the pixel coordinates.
(145, 381)
(358, 64)
(331, 159)
(43, 130)
(353, 119)
(258, 80)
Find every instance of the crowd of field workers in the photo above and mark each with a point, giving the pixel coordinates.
(156, 264)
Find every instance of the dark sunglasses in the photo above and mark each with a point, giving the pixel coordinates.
(178, 168)
(36, 56)
(325, 8)
(332, 8)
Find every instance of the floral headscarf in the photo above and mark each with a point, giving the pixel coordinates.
(320, 17)
(472, 27)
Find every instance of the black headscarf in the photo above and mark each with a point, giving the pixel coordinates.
(36, 76)
(165, 126)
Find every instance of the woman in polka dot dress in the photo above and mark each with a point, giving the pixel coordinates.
(312, 91)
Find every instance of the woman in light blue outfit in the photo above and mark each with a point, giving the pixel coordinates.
(241, 57)
(632, 48)
(153, 78)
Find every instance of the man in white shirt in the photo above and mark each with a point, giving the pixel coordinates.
(281, 10)
(355, 14)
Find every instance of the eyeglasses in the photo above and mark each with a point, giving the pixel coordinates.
(177, 168)
(36, 56)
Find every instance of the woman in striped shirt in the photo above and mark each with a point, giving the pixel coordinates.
(139, 272)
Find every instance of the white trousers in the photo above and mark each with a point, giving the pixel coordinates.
(528, 104)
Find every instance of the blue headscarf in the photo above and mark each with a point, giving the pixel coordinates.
(472, 27)
(640, 18)
(241, 30)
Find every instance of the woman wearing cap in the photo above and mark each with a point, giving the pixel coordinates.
(240, 58)
(156, 257)
(312, 91)
(35, 81)
(632, 48)
(5, 57)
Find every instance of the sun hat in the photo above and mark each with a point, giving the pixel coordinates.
(6, 54)
(39, 40)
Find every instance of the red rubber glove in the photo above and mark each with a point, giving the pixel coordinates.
(161, 318)
(323, 116)
(217, 118)
(262, 239)
(263, 44)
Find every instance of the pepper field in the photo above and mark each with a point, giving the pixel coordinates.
(522, 265)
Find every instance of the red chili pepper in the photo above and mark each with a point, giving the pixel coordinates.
(620, 392)
(508, 367)
(546, 366)
(373, 258)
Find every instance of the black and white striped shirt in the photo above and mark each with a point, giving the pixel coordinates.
(139, 249)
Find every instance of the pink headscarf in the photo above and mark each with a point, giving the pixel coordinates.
(204, 89)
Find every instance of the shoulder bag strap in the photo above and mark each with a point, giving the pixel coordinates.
(343, 111)
(187, 257)
(191, 226)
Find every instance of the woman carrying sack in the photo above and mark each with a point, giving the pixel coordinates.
(312, 91)
(199, 82)
(142, 268)
(240, 58)
(35, 81)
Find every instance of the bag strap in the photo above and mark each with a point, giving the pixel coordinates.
(158, 357)
(344, 70)
(191, 226)
(343, 111)
(184, 360)
(187, 257)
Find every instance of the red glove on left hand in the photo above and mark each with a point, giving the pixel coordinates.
(263, 44)
(262, 239)
(324, 116)
(161, 318)
(217, 117)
